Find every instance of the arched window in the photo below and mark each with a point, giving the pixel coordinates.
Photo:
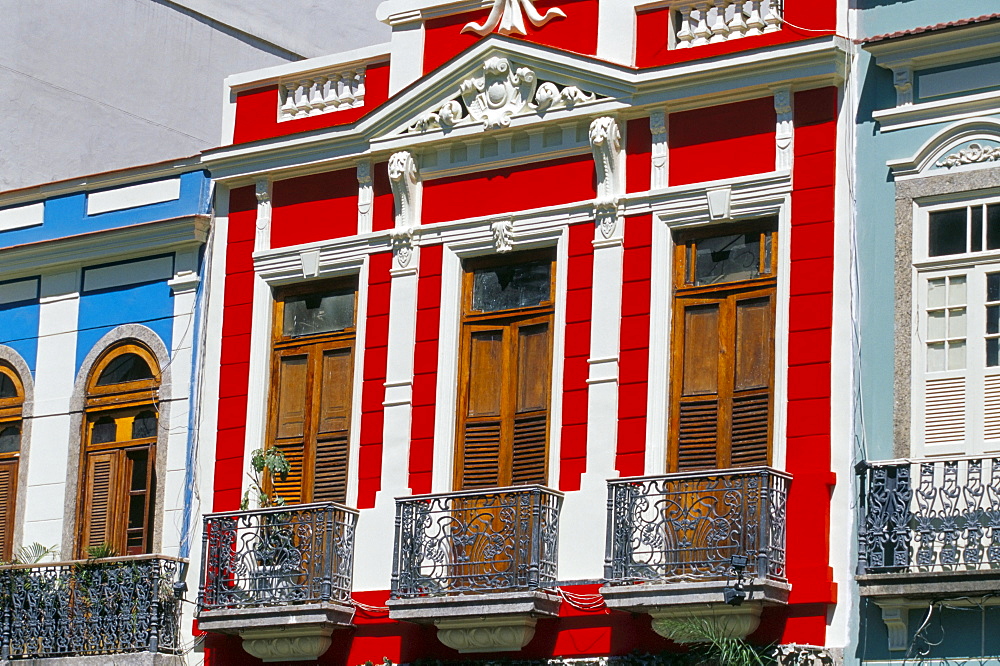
(120, 430)
(11, 409)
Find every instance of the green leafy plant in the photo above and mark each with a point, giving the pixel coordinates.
(101, 551)
(266, 465)
(32, 553)
(710, 644)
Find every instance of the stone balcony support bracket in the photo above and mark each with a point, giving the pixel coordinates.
(493, 622)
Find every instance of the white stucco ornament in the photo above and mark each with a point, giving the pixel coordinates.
(499, 93)
(507, 14)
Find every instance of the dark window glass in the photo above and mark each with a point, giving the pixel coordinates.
(727, 259)
(993, 287)
(10, 440)
(144, 425)
(992, 352)
(993, 227)
(992, 319)
(125, 368)
(139, 460)
(318, 313)
(948, 229)
(104, 431)
(976, 232)
(511, 286)
(7, 388)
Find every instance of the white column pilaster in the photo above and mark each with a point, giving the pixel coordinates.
(406, 51)
(659, 153)
(51, 428)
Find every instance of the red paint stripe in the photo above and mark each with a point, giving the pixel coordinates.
(425, 361)
(580, 278)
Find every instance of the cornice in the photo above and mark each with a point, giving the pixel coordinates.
(938, 48)
(100, 181)
(123, 243)
(302, 68)
(727, 78)
(395, 12)
(938, 111)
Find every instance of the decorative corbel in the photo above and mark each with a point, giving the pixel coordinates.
(783, 132)
(366, 195)
(262, 239)
(895, 615)
(503, 231)
(402, 245)
(658, 131)
(902, 79)
(606, 144)
(403, 179)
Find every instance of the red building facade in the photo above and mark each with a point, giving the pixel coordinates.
(520, 251)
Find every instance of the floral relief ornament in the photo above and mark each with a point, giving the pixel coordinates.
(507, 14)
(976, 152)
(499, 93)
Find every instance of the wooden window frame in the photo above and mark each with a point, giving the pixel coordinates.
(122, 403)
(473, 321)
(313, 347)
(725, 294)
(11, 414)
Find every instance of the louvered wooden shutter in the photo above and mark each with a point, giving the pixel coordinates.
(333, 426)
(481, 430)
(751, 408)
(102, 493)
(8, 497)
(528, 450)
(290, 423)
(697, 408)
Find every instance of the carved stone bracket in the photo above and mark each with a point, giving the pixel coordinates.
(500, 91)
(606, 216)
(675, 622)
(403, 178)
(487, 634)
(606, 144)
(294, 643)
(783, 131)
(503, 231)
(974, 153)
(902, 80)
(262, 239)
(402, 245)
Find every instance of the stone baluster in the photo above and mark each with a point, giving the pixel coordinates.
(347, 98)
(359, 85)
(719, 28)
(701, 31)
(333, 94)
(772, 21)
(755, 24)
(683, 37)
(317, 100)
(288, 105)
(737, 24)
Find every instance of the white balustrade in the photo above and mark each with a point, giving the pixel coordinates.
(702, 22)
(321, 93)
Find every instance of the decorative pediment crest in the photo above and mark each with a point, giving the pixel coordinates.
(966, 144)
(499, 92)
(507, 14)
(970, 154)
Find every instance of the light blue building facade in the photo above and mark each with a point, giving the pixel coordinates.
(926, 209)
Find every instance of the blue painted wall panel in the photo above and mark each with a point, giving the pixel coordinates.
(19, 329)
(67, 215)
(149, 304)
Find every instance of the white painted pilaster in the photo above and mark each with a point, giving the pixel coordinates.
(616, 31)
(406, 51)
(366, 196)
(55, 375)
(784, 131)
(659, 152)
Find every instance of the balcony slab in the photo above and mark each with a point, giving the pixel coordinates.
(673, 606)
(491, 622)
(925, 584)
(117, 659)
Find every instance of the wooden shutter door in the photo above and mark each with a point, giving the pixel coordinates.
(102, 510)
(333, 425)
(292, 378)
(479, 461)
(698, 360)
(8, 501)
(754, 362)
(530, 436)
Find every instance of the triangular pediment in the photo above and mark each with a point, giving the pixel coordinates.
(497, 81)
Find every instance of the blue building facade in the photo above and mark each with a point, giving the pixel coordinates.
(926, 239)
(100, 293)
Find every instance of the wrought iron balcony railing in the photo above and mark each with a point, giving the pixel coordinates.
(89, 607)
(930, 515)
(301, 553)
(496, 540)
(687, 526)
